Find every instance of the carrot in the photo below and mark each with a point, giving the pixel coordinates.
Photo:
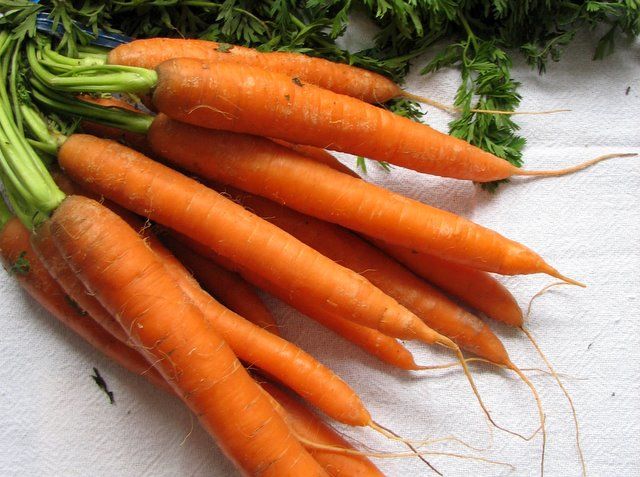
(253, 345)
(170, 198)
(20, 260)
(106, 253)
(226, 286)
(377, 344)
(435, 309)
(56, 265)
(338, 77)
(263, 168)
(305, 424)
(274, 105)
(476, 288)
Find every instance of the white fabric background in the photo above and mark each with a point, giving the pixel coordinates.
(55, 421)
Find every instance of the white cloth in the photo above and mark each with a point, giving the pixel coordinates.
(55, 421)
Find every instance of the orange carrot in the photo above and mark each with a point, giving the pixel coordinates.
(305, 424)
(107, 254)
(20, 259)
(253, 345)
(56, 265)
(435, 309)
(476, 288)
(263, 168)
(246, 99)
(377, 344)
(338, 77)
(170, 198)
(226, 286)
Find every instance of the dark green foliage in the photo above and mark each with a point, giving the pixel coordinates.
(477, 36)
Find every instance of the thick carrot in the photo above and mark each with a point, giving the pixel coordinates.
(435, 309)
(251, 344)
(338, 77)
(131, 282)
(476, 288)
(307, 425)
(263, 168)
(20, 259)
(56, 265)
(178, 202)
(259, 348)
(246, 99)
(226, 286)
(377, 344)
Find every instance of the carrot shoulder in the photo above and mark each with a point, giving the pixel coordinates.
(338, 77)
(180, 203)
(261, 167)
(36, 280)
(131, 282)
(245, 99)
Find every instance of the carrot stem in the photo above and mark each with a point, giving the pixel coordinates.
(89, 78)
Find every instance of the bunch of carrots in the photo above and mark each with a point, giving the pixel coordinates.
(159, 270)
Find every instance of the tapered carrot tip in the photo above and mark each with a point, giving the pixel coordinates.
(571, 170)
(568, 280)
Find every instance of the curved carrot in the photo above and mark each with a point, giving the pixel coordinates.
(245, 99)
(15, 250)
(476, 288)
(131, 282)
(261, 167)
(383, 347)
(338, 77)
(56, 265)
(226, 286)
(305, 424)
(435, 309)
(183, 204)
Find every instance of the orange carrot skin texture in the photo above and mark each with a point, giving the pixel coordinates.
(132, 283)
(476, 288)
(259, 166)
(228, 287)
(279, 358)
(437, 311)
(318, 155)
(14, 240)
(245, 99)
(180, 203)
(307, 425)
(341, 78)
(377, 344)
(308, 377)
(56, 265)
